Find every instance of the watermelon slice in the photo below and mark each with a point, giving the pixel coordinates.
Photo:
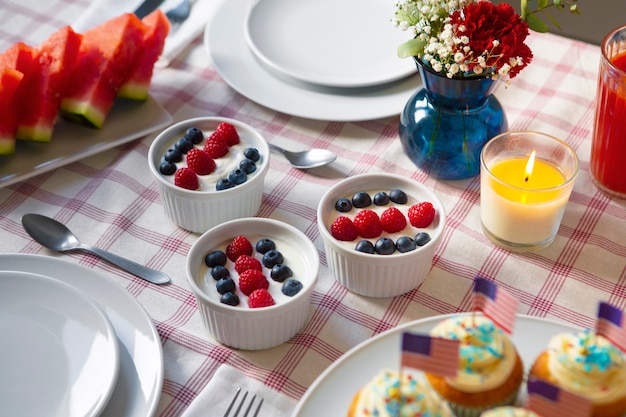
(45, 86)
(105, 59)
(137, 86)
(10, 80)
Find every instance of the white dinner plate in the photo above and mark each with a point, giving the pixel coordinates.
(58, 351)
(332, 391)
(140, 378)
(226, 45)
(336, 43)
(128, 120)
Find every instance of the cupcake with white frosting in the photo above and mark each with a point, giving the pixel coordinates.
(490, 368)
(588, 365)
(509, 411)
(386, 396)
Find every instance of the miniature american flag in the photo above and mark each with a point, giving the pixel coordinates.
(548, 400)
(495, 303)
(611, 325)
(434, 355)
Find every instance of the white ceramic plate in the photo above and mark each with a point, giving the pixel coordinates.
(332, 391)
(127, 121)
(58, 352)
(337, 43)
(226, 45)
(140, 378)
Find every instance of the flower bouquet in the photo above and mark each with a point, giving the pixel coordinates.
(462, 49)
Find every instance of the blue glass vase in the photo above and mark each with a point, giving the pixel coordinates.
(445, 124)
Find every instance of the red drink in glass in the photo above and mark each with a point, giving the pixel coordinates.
(608, 149)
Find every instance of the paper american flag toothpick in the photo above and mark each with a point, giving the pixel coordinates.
(495, 303)
(611, 324)
(548, 400)
(434, 355)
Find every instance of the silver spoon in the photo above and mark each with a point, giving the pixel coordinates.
(311, 158)
(53, 235)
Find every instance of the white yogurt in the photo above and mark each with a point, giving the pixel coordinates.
(223, 165)
(409, 230)
(292, 258)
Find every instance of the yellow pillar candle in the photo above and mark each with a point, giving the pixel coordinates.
(523, 198)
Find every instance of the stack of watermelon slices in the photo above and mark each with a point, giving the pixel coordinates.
(78, 76)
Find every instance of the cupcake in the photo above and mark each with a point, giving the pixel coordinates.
(490, 368)
(509, 411)
(588, 365)
(383, 397)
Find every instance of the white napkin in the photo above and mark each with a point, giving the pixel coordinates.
(181, 35)
(215, 398)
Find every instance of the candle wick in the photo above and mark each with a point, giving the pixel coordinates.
(526, 179)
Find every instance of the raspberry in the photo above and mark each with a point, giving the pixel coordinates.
(227, 132)
(186, 178)
(251, 280)
(421, 214)
(368, 224)
(245, 262)
(343, 229)
(216, 147)
(200, 162)
(260, 298)
(239, 246)
(392, 220)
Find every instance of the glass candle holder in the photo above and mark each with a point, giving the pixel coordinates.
(608, 146)
(526, 181)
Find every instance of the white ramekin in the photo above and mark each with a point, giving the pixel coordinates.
(198, 211)
(254, 328)
(375, 275)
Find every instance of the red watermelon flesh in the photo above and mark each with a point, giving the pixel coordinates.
(10, 80)
(47, 84)
(138, 84)
(105, 59)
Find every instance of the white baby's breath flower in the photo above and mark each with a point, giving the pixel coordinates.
(459, 57)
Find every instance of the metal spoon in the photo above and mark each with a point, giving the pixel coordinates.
(53, 235)
(311, 158)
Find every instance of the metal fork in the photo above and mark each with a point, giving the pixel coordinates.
(180, 12)
(241, 404)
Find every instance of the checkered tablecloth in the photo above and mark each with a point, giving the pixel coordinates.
(111, 201)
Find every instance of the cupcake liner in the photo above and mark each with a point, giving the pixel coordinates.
(464, 411)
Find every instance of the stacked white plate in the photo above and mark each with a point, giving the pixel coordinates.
(74, 343)
(323, 59)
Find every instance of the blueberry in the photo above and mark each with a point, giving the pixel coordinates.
(247, 165)
(252, 154)
(264, 245)
(223, 184)
(291, 287)
(173, 155)
(398, 196)
(405, 244)
(183, 145)
(365, 246)
(385, 246)
(225, 285)
(343, 205)
(280, 272)
(217, 257)
(167, 168)
(381, 198)
(229, 298)
(361, 199)
(272, 257)
(422, 238)
(218, 272)
(237, 176)
(194, 135)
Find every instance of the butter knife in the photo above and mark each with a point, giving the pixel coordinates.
(147, 7)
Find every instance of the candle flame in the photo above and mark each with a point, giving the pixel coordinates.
(529, 166)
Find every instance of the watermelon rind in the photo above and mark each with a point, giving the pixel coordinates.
(82, 112)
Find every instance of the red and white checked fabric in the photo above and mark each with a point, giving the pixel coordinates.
(111, 201)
